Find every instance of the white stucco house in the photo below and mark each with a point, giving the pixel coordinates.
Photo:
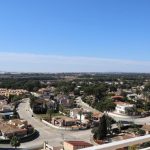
(74, 112)
(122, 107)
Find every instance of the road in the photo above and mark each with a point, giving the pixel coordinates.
(84, 105)
(143, 121)
(53, 136)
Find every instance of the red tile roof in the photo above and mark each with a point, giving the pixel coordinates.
(117, 97)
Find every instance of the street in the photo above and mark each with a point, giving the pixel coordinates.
(53, 136)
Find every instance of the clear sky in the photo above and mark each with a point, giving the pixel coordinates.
(75, 35)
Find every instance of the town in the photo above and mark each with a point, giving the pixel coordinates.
(73, 110)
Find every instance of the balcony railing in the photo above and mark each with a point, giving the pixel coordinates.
(122, 144)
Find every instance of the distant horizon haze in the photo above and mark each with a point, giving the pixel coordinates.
(29, 62)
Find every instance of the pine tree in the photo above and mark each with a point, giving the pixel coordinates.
(101, 131)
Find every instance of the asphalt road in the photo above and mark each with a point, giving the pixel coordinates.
(143, 121)
(53, 136)
(84, 105)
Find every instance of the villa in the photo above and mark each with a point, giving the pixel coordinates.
(63, 121)
(122, 107)
(15, 127)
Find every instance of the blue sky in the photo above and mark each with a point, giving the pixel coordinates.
(75, 35)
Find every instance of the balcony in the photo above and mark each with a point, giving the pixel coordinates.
(122, 144)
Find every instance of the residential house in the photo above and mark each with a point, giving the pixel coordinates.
(74, 112)
(146, 128)
(64, 100)
(133, 97)
(83, 116)
(15, 127)
(63, 121)
(4, 107)
(39, 106)
(97, 116)
(123, 108)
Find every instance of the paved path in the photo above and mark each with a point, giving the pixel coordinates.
(84, 105)
(53, 136)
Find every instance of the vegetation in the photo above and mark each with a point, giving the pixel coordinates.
(15, 142)
(101, 131)
(50, 112)
(105, 105)
(139, 131)
(27, 84)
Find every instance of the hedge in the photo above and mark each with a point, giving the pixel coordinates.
(24, 139)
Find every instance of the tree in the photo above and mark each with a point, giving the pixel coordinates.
(105, 105)
(80, 113)
(90, 114)
(131, 111)
(15, 142)
(32, 100)
(101, 131)
(147, 106)
(61, 108)
(50, 112)
(109, 122)
(120, 125)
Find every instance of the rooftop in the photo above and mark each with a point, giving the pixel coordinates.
(123, 103)
(117, 97)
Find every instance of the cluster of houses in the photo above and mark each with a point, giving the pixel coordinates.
(77, 119)
(6, 110)
(7, 92)
(47, 100)
(10, 124)
(17, 127)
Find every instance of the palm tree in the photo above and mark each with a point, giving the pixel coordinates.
(80, 113)
(15, 142)
(50, 112)
(120, 125)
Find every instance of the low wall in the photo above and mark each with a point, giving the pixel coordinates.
(56, 127)
(24, 139)
(114, 114)
(30, 137)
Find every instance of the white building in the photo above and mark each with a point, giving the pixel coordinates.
(133, 97)
(122, 107)
(74, 112)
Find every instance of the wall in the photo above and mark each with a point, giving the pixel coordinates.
(56, 127)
